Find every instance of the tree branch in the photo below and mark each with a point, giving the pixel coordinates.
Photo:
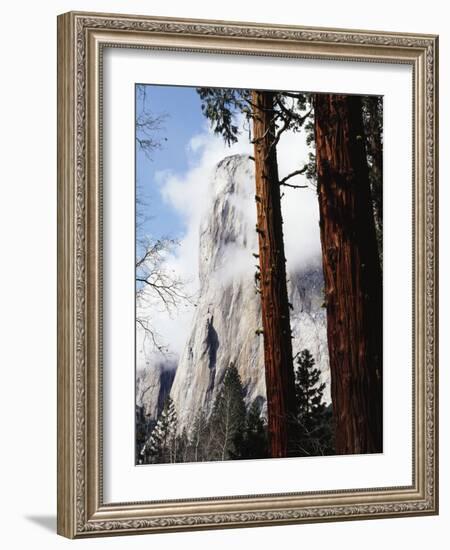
(157, 285)
(293, 174)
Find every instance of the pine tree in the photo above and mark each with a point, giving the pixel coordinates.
(199, 441)
(143, 428)
(309, 395)
(254, 443)
(314, 421)
(161, 446)
(182, 447)
(227, 422)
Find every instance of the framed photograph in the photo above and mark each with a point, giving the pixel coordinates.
(247, 276)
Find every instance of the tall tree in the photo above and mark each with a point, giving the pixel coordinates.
(227, 422)
(161, 446)
(200, 437)
(270, 116)
(143, 428)
(314, 434)
(273, 286)
(254, 443)
(352, 274)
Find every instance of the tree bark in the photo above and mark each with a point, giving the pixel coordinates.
(274, 298)
(352, 274)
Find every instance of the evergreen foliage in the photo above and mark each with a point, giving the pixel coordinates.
(143, 429)
(231, 432)
(254, 443)
(161, 446)
(313, 435)
(223, 107)
(227, 421)
(199, 442)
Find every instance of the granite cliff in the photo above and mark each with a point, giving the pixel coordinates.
(227, 313)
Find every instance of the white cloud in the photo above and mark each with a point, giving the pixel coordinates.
(300, 207)
(190, 193)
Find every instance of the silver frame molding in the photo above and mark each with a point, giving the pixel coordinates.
(81, 510)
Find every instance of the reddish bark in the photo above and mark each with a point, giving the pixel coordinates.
(352, 274)
(274, 299)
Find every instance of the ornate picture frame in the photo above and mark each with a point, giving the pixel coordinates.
(82, 39)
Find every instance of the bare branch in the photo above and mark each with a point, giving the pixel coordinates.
(145, 325)
(158, 285)
(294, 186)
(293, 174)
(147, 125)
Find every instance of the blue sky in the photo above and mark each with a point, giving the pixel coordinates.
(183, 119)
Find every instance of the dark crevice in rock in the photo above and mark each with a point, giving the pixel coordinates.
(212, 345)
(165, 380)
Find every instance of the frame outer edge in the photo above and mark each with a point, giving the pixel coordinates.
(75, 482)
(435, 327)
(161, 19)
(65, 280)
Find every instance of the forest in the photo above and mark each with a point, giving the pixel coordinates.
(231, 432)
(345, 167)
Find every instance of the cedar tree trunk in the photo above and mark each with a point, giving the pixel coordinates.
(274, 299)
(352, 274)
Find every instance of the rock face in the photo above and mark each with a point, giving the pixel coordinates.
(228, 312)
(153, 384)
